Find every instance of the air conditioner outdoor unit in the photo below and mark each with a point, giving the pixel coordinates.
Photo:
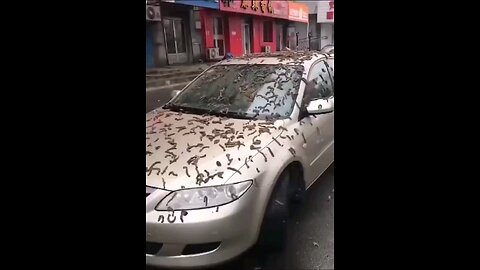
(267, 49)
(213, 53)
(153, 13)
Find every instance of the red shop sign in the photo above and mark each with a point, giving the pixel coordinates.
(269, 8)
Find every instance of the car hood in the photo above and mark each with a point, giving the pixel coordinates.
(186, 150)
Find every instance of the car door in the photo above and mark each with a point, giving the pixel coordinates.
(318, 129)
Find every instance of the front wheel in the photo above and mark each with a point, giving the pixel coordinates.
(274, 228)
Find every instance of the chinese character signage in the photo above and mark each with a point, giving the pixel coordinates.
(269, 8)
(298, 12)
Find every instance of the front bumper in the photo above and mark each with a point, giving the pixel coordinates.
(234, 225)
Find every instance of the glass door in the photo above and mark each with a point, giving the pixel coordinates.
(175, 40)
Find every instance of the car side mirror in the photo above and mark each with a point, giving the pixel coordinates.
(174, 93)
(319, 106)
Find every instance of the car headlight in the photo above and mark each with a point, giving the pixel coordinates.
(203, 197)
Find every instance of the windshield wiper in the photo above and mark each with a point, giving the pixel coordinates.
(179, 108)
(236, 115)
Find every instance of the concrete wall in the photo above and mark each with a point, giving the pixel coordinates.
(314, 29)
(302, 29)
(326, 32)
(159, 53)
(197, 50)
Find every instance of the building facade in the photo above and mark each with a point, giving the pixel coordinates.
(189, 31)
(242, 27)
(173, 36)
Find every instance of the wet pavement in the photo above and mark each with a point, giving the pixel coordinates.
(157, 98)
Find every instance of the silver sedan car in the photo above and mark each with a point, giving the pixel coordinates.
(228, 155)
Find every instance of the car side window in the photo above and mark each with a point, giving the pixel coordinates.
(320, 81)
(331, 71)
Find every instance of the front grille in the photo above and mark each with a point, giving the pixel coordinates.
(200, 248)
(152, 248)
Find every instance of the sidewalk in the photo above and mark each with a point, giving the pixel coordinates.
(173, 77)
(183, 67)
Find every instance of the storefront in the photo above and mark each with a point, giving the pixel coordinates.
(173, 31)
(248, 26)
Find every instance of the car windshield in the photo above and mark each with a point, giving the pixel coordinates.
(242, 91)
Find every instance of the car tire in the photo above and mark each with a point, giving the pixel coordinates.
(274, 227)
(297, 190)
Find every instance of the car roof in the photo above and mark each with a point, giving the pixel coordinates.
(304, 58)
